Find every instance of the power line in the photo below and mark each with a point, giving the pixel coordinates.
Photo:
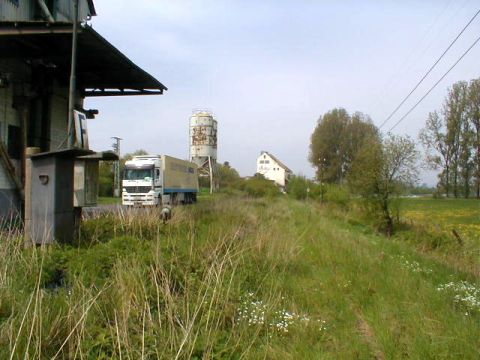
(435, 85)
(430, 70)
(394, 78)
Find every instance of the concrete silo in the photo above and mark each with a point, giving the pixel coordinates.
(203, 145)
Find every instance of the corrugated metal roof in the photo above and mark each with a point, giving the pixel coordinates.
(62, 10)
(102, 70)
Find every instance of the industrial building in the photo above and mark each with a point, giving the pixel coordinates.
(273, 169)
(35, 68)
(203, 145)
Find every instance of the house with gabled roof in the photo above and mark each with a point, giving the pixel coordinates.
(273, 169)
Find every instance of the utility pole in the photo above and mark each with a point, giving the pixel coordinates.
(116, 167)
(73, 80)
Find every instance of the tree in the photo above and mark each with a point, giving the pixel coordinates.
(455, 113)
(438, 150)
(473, 109)
(105, 179)
(227, 176)
(335, 141)
(381, 170)
(129, 156)
(448, 137)
(465, 160)
(326, 151)
(359, 130)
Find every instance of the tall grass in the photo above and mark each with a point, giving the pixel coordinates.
(131, 287)
(228, 278)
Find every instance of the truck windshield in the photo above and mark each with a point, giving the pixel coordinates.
(138, 174)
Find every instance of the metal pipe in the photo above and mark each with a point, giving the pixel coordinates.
(45, 11)
(71, 92)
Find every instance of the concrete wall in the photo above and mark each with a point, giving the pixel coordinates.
(19, 74)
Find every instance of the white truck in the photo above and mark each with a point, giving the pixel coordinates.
(159, 180)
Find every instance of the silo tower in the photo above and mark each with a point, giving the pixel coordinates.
(203, 145)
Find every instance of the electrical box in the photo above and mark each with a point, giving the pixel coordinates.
(62, 182)
(52, 213)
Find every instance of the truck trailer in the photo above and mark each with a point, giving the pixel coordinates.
(159, 180)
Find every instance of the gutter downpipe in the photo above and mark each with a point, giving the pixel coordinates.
(71, 92)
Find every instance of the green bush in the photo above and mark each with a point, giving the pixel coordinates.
(336, 194)
(301, 188)
(258, 186)
(298, 187)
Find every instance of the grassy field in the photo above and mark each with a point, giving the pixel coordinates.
(451, 226)
(109, 200)
(460, 214)
(233, 278)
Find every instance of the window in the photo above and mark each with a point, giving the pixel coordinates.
(266, 162)
(138, 174)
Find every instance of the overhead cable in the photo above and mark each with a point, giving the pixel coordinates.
(429, 70)
(435, 85)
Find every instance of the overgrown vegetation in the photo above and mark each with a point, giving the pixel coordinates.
(232, 277)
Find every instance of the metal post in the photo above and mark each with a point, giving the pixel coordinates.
(29, 151)
(71, 93)
(116, 168)
(210, 171)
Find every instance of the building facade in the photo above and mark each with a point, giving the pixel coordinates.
(273, 169)
(49, 10)
(35, 60)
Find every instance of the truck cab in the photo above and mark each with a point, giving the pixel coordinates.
(142, 182)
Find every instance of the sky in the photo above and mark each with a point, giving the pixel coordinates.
(269, 69)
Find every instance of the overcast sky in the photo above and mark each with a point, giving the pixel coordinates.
(269, 69)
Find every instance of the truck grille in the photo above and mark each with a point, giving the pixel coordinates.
(137, 189)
